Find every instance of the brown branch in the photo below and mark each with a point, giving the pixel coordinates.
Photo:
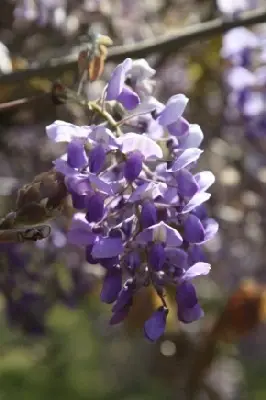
(166, 44)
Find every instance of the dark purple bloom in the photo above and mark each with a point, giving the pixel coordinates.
(76, 154)
(154, 327)
(132, 261)
(193, 229)
(186, 183)
(125, 296)
(196, 254)
(156, 256)
(95, 207)
(133, 166)
(189, 309)
(107, 247)
(112, 285)
(96, 159)
(128, 98)
(78, 201)
(148, 214)
(119, 315)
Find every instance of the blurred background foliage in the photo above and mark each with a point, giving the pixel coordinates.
(81, 356)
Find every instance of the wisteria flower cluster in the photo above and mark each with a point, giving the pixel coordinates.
(245, 53)
(140, 211)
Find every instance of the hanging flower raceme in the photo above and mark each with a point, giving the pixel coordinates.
(140, 211)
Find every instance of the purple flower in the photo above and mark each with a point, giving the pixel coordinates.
(61, 131)
(124, 302)
(161, 233)
(189, 309)
(143, 216)
(107, 247)
(80, 231)
(116, 89)
(171, 116)
(76, 154)
(154, 327)
(112, 285)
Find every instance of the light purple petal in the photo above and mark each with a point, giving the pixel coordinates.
(141, 70)
(102, 135)
(193, 139)
(61, 131)
(236, 40)
(196, 201)
(116, 83)
(195, 270)
(239, 78)
(160, 232)
(173, 110)
(146, 146)
(148, 190)
(143, 109)
(187, 157)
(204, 179)
(62, 166)
(99, 184)
(211, 228)
(79, 184)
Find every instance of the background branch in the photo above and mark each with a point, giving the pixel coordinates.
(166, 44)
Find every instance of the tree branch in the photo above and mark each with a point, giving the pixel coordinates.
(166, 44)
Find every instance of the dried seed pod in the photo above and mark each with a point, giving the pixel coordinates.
(38, 202)
(25, 234)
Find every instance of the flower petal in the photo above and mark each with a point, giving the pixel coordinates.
(116, 83)
(128, 98)
(112, 284)
(204, 179)
(154, 327)
(107, 247)
(195, 270)
(61, 131)
(193, 229)
(186, 157)
(173, 110)
(196, 201)
(146, 146)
